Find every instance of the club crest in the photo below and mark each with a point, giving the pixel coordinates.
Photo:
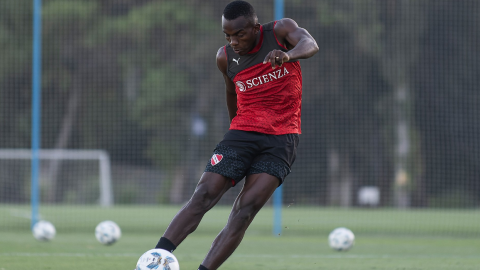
(216, 158)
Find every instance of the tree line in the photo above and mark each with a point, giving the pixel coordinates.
(391, 100)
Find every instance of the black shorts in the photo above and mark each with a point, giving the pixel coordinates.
(242, 153)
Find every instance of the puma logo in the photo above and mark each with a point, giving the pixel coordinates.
(236, 60)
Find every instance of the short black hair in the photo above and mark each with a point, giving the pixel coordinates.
(239, 8)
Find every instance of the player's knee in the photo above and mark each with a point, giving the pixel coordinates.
(203, 198)
(243, 216)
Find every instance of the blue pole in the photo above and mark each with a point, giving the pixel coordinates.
(278, 10)
(277, 195)
(36, 104)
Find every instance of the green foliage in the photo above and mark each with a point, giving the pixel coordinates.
(139, 22)
(73, 32)
(61, 12)
(142, 68)
(15, 37)
(160, 88)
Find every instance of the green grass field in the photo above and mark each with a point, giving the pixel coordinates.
(385, 239)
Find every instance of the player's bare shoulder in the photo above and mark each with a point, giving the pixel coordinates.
(222, 62)
(289, 33)
(285, 26)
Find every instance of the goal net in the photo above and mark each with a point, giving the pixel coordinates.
(65, 177)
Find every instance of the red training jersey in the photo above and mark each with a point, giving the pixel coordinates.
(268, 100)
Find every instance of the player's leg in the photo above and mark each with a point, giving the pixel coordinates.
(208, 192)
(267, 170)
(227, 166)
(256, 191)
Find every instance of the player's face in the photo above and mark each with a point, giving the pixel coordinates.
(241, 34)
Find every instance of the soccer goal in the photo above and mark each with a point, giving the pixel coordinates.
(66, 176)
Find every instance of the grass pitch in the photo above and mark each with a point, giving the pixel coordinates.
(385, 239)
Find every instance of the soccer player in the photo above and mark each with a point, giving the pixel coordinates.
(263, 94)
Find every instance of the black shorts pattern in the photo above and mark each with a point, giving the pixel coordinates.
(230, 166)
(242, 153)
(276, 169)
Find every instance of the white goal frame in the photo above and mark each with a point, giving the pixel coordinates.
(106, 192)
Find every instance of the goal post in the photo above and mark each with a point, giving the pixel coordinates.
(105, 182)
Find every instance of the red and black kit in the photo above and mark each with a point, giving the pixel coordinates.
(263, 136)
(268, 100)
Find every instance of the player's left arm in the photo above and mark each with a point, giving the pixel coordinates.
(300, 43)
(231, 94)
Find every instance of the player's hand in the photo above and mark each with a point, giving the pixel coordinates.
(276, 58)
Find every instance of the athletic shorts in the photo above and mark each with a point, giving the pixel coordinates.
(242, 153)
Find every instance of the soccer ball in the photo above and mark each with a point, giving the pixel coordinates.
(107, 232)
(157, 259)
(43, 231)
(341, 239)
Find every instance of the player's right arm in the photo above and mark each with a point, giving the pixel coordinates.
(231, 95)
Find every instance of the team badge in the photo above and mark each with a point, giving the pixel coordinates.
(241, 86)
(216, 158)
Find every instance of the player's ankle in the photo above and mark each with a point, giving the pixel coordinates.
(165, 244)
(201, 267)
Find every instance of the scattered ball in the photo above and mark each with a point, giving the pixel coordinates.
(107, 232)
(341, 239)
(43, 231)
(157, 259)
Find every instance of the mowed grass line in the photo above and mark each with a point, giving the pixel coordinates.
(302, 221)
(19, 250)
(385, 239)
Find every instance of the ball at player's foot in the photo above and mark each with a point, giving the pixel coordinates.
(157, 259)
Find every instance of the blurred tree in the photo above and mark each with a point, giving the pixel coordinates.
(15, 72)
(343, 102)
(447, 110)
(162, 53)
(390, 100)
(110, 71)
(15, 92)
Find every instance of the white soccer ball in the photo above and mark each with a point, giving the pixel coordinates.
(107, 232)
(43, 230)
(157, 259)
(341, 239)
